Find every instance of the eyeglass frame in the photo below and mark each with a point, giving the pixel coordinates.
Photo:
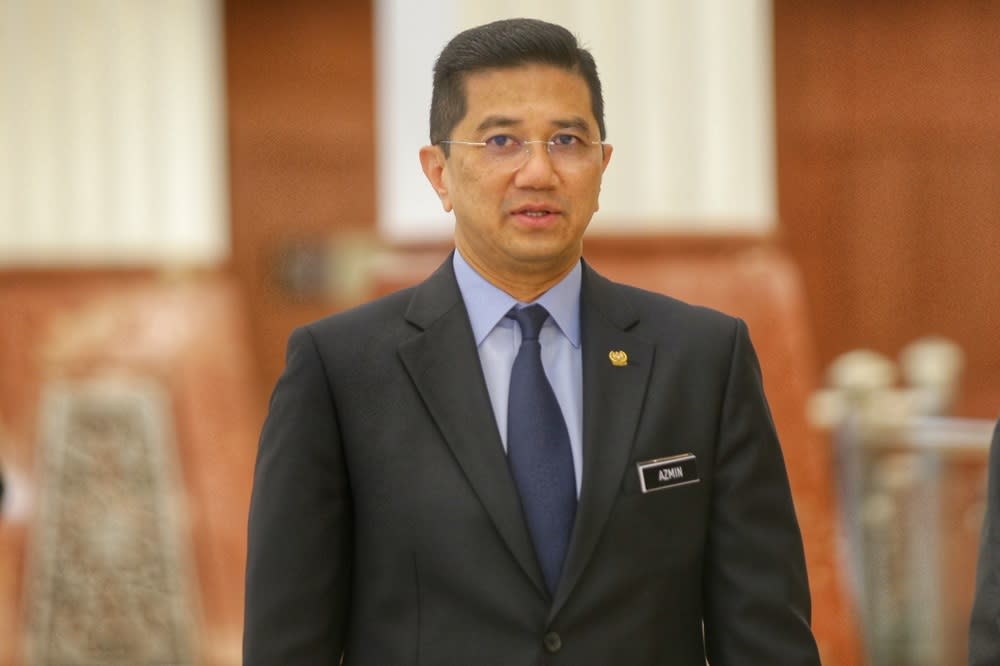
(525, 145)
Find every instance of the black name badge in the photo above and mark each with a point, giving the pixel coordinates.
(671, 472)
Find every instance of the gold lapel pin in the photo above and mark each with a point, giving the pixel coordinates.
(618, 358)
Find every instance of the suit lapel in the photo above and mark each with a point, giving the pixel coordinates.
(612, 402)
(444, 365)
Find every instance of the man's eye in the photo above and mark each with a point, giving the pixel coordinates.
(501, 141)
(567, 140)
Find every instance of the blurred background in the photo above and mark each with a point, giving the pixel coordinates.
(182, 182)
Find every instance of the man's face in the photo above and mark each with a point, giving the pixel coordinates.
(521, 223)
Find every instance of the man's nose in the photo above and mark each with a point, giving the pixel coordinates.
(537, 167)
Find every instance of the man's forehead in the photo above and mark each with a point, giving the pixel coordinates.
(513, 96)
(522, 72)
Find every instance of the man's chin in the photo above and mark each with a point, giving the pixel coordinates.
(540, 259)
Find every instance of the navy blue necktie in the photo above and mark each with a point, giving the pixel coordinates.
(538, 450)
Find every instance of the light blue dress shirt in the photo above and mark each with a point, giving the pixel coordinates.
(498, 339)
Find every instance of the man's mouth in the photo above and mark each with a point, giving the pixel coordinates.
(535, 211)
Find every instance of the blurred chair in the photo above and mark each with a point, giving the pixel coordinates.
(187, 336)
(109, 576)
(912, 486)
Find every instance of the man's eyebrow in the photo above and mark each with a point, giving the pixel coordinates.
(497, 121)
(576, 122)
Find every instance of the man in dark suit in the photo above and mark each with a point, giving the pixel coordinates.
(984, 630)
(518, 461)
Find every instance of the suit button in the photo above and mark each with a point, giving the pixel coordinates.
(553, 643)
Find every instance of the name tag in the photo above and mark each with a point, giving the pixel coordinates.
(671, 472)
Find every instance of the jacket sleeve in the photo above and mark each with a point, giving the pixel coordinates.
(984, 629)
(300, 524)
(756, 591)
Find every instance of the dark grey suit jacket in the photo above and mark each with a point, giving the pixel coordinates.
(385, 525)
(984, 630)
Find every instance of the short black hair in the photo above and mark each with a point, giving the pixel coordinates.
(506, 43)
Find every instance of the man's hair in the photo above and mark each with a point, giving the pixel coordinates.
(507, 43)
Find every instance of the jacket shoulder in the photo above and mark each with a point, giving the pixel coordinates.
(365, 317)
(655, 315)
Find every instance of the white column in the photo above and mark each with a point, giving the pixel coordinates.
(688, 102)
(112, 133)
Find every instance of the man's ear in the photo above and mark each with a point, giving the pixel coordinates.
(432, 160)
(606, 150)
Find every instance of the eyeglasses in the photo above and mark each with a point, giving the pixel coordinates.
(568, 151)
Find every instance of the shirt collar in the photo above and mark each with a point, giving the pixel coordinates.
(487, 304)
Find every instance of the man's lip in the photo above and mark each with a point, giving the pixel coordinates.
(536, 209)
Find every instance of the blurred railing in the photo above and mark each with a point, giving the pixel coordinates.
(912, 486)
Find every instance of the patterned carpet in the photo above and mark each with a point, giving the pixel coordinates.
(109, 564)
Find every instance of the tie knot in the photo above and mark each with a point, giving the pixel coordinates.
(530, 319)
